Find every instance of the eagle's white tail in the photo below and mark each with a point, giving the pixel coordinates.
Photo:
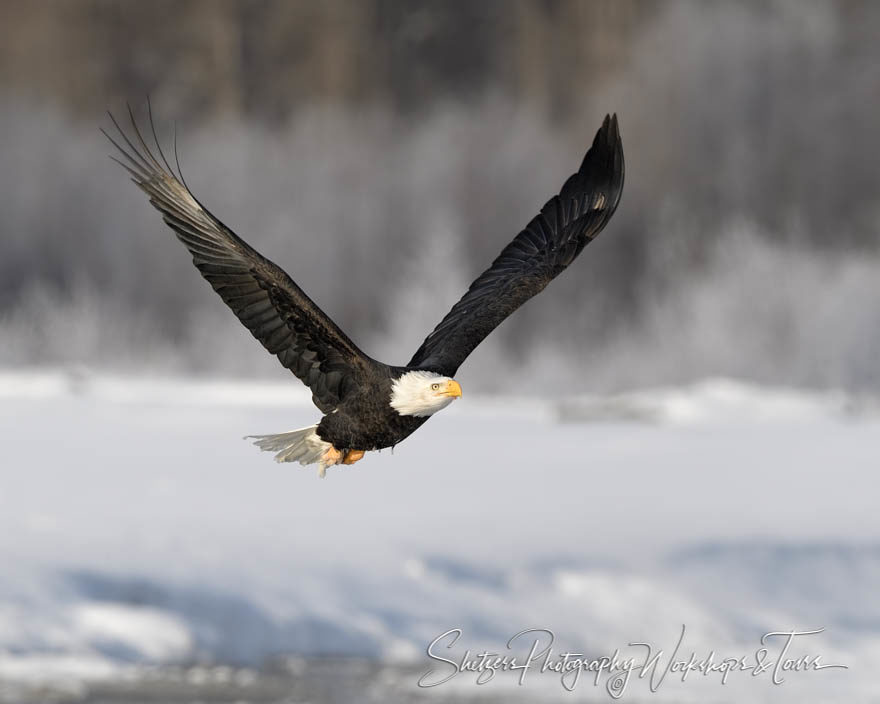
(303, 446)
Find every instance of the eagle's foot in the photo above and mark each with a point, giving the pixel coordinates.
(353, 456)
(331, 457)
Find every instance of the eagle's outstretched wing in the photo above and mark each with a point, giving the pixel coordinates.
(550, 242)
(260, 293)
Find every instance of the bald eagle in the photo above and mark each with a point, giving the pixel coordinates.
(368, 405)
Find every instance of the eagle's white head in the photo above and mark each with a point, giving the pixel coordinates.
(422, 393)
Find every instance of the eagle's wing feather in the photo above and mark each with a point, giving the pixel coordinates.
(265, 299)
(550, 242)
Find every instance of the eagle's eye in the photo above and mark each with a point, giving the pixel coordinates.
(435, 386)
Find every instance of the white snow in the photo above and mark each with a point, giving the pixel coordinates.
(148, 633)
(136, 526)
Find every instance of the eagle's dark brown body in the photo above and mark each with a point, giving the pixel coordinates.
(362, 421)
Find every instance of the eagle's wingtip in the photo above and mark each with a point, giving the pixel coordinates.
(613, 128)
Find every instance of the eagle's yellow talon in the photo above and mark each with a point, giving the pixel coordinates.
(353, 456)
(331, 457)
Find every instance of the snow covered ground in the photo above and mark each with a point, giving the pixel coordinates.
(139, 534)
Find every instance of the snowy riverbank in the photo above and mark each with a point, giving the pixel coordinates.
(138, 530)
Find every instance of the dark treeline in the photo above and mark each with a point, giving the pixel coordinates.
(267, 60)
(383, 151)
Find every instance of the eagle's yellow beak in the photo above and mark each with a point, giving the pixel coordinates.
(453, 389)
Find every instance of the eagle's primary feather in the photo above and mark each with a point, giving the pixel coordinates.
(370, 405)
(266, 300)
(550, 242)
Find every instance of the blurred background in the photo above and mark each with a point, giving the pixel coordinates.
(710, 363)
(383, 152)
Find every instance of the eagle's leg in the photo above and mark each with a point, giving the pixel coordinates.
(352, 456)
